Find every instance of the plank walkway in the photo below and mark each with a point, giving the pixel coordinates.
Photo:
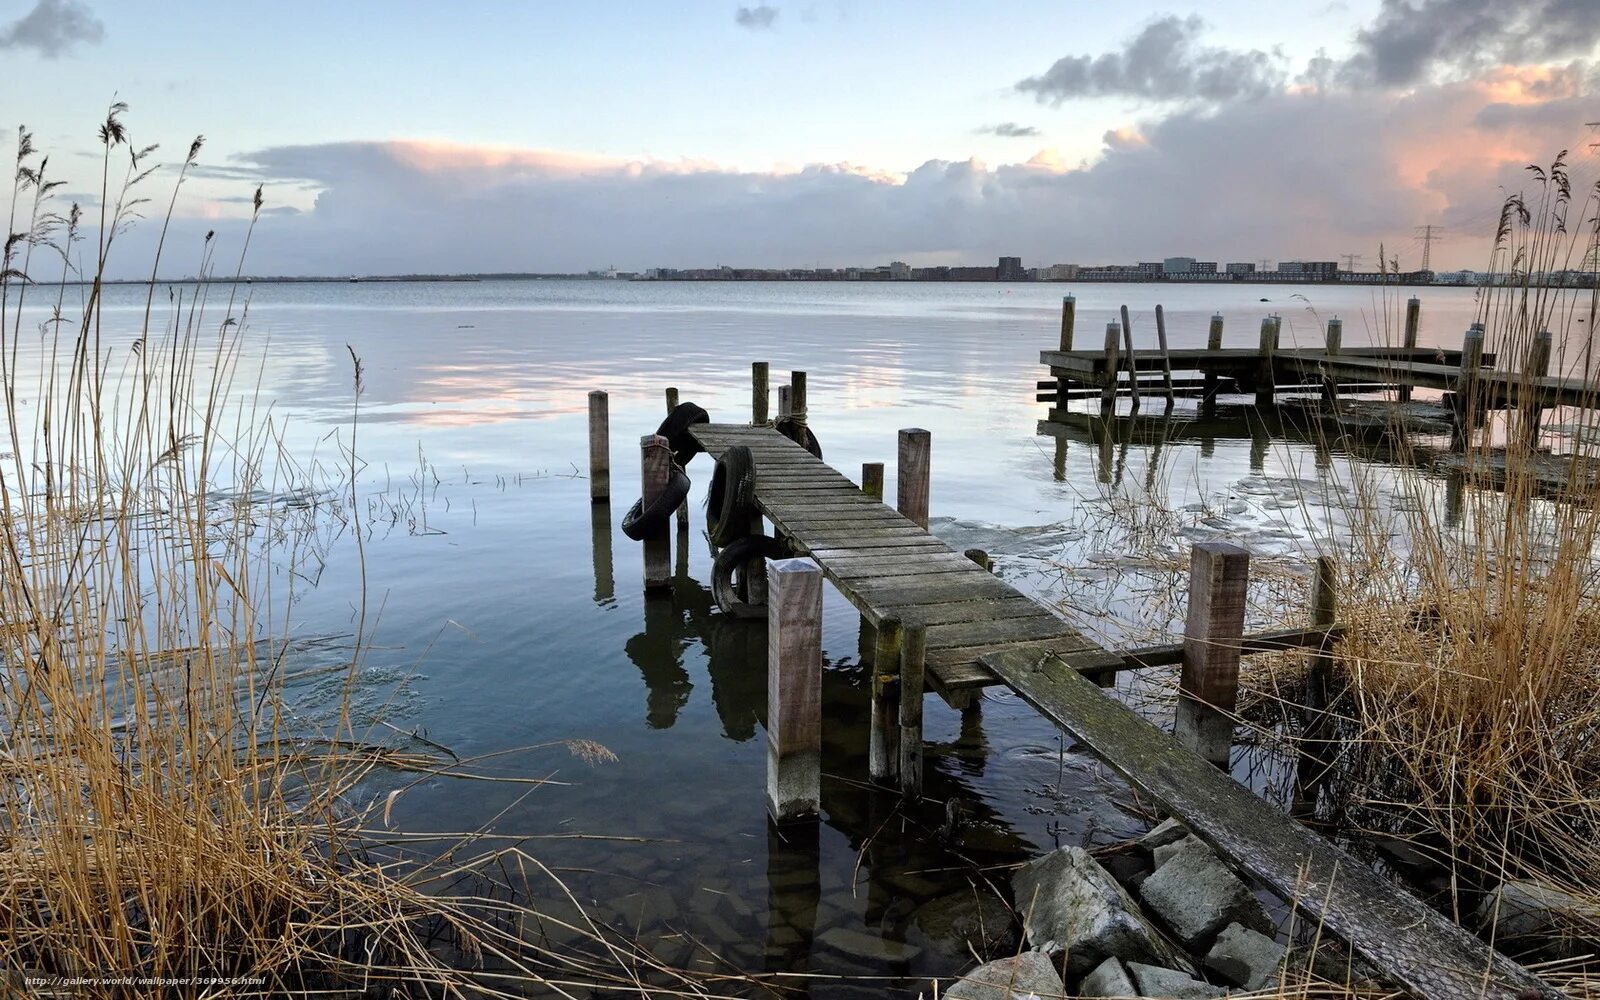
(1419, 949)
(883, 563)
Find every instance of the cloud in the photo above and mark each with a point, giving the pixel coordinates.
(1162, 63)
(1410, 42)
(1009, 130)
(53, 27)
(756, 18)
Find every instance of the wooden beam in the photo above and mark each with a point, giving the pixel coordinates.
(913, 663)
(1208, 689)
(912, 476)
(883, 739)
(1166, 355)
(759, 394)
(1133, 371)
(1413, 321)
(794, 688)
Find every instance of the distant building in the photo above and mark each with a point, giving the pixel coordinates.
(1010, 269)
(1203, 267)
(1150, 269)
(1310, 270)
(1059, 272)
(973, 273)
(1241, 269)
(899, 270)
(1177, 265)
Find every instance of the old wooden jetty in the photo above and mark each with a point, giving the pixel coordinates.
(942, 622)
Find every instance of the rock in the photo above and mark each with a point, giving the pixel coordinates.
(1244, 957)
(1154, 981)
(1166, 852)
(1028, 976)
(965, 923)
(871, 947)
(1109, 979)
(1070, 904)
(1168, 831)
(1197, 896)
(1518, 911)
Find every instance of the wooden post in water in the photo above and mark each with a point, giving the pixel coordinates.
(758, 392)
(1208, 689)
(1133, 371)
(913, 658)
(1166, 357)
(981, 558)
(1213, 343)
(912, 476)
(1334, 342)
(1316, 754)
(794, 688)
(785, 401)
(1108, 379)
(655, 471)
(1467, 384)
(599, 447)
(872, 479)
(1413, 320)
(1069, 319)
(1538, 367)
(883, 742)
(683, 508)
(797, 404)
(1266, 371)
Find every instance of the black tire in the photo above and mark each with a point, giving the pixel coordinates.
(791, 430)
(639, 521)
(676, 430)
(739, 556)
(731, 501)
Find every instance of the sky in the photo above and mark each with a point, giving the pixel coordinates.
(404, 137)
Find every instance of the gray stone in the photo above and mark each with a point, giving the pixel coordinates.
(1197, 896)
(871, 947)
(1028, 976)
(1070, 904)
(965, 923)
(1168, 831)
(1154, 981)
(1166, 852)
(1109, 979)
(1244, 957)
(1518, 911)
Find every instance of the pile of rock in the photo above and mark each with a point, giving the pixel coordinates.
(1200, 931)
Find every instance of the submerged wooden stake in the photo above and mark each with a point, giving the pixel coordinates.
(872, 479)
(911, 478)
(883, 741)
(758, 392)
(913, 665)
(599, 447)
(794, 688)
(1166, 356)
(1208, 689)
(655, 471)
(1413, 319)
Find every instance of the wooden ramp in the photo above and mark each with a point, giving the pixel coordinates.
(884, 563)
(1412, 944)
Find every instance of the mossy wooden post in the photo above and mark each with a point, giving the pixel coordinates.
(785, 401)
(1537, 367)
(655, 472)
(1334, 341)
(1208, 689)
(1213, 343)
(599, 446)
(683, 508)
(1069, 320)
(913, 665)
(1266, 371)
(1108, 378)
(1413, 321)
(883, 742)
(911, 478)
(794, 688)
(980, 557)
(1133, 371)
(758, 392)
(872, 479)
(1166, 356)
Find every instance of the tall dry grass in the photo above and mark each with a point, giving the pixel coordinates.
(163, 815)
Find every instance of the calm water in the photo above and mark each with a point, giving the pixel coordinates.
(509, 613)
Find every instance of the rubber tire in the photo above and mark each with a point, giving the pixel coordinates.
(638, 522)
(731, 501)
(742, 552)
(676, 430)
(788, 428)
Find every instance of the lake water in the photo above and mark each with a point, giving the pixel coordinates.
(509, 613)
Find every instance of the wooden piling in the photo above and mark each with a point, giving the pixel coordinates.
(872, 479)
(797, 404)
(1108, 380)
(1133, 371)
(655, 471)
(1413, 321)
(912, 476)
(883, 740)
(1334, 340)
(785, 401)
(1266, 371)
(1213, 343)
(599, 447)
(1316, 753)
(980, 557)
(1166, 357)
(913, 659)
(1467, 384)
(1208, 689)
(794, 688)
(683, 508)
(759, 372)
(1537, 367)
(1069, 319)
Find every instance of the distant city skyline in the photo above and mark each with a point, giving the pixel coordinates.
(526, 138)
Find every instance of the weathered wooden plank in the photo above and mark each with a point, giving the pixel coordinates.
(872, 596)
(826, 534)
(951, 612)
(883, 567)
(980, 633)
(1407, 941)
(857, 546)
